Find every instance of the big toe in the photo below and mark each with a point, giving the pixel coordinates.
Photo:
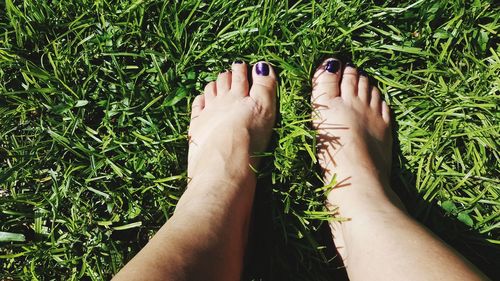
(263, 89)
(326, 81)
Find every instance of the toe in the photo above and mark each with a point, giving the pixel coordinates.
(239, 79)
(264, 85)
(386, 113)
(364, 87)
(376, 100)
(197, 106)
(326, 80)
(210, 92)
(223, 83)
(349, 84)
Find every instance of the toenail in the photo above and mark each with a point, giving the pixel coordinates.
(362, 73)
(350, 64)
(332, 66)
(262, 69)
(238, 62)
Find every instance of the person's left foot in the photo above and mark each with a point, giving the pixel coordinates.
(231, 122)
(205, 238)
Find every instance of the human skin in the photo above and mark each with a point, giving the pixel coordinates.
(205, 239)
(206, 236)
(379, 241)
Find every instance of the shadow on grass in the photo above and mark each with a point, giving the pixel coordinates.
(274, 255)
(469, 243)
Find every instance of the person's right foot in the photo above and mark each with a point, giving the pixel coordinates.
(354, 142)
(379, 241)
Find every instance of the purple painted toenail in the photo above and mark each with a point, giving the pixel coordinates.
(362, 73)
(332, 66)
(262, 69)
(238, 62)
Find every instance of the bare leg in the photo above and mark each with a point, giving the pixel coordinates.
(380, 241)
(205, 238)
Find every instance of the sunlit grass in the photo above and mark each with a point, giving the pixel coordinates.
(94, 108)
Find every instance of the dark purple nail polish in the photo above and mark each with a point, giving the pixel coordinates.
(350, 64)
(332, 66)
(362, 73)
(262, 69)
(238, 62)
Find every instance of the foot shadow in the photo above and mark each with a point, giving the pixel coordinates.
(274, 252)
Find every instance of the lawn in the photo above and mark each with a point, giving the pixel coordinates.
(94, 109)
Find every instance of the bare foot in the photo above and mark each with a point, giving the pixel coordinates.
(379, 241)
(353, 125)
(205, 238)
(230, 123)
(354, 141)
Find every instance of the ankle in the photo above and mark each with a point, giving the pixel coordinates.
(364, 198)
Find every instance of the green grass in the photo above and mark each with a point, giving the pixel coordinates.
(95, 100)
